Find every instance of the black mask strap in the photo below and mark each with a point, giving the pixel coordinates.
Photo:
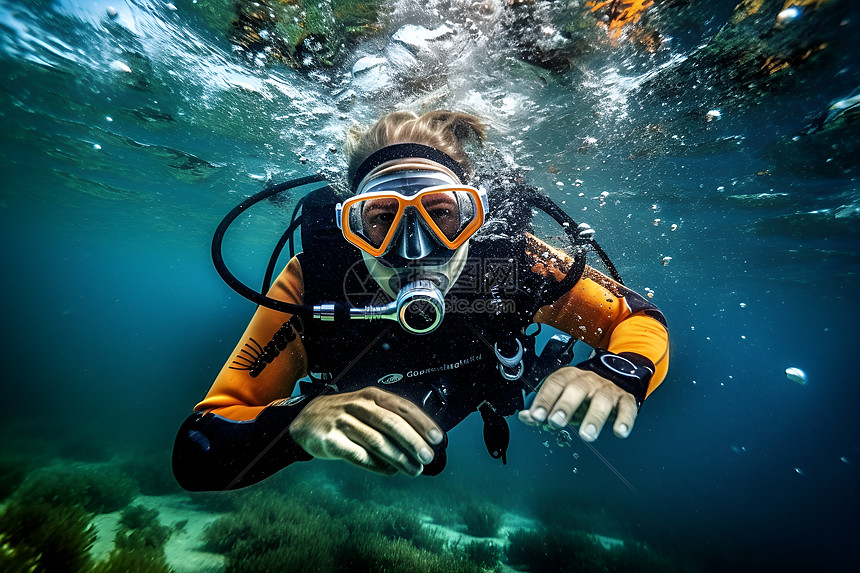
(402, 151)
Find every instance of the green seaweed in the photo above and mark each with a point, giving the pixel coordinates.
(304, 33)
(98, 488)
(326, 533)
(140, 542)
(19, 559)
(123, 560)
(376, 553)
(482, 519)
(140, 529)
(58, 537)
(484, 553)
(558, 550)
(269, 529)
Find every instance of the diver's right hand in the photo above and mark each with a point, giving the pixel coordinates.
(371, 428)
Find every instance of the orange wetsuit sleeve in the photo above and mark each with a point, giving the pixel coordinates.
(602, 313)
(236, 394)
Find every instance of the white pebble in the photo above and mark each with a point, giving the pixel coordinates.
(111, 12)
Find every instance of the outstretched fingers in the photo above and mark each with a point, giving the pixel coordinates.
(570, 395)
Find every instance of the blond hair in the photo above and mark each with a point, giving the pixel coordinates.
(442, 129)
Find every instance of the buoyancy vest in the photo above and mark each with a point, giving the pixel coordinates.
(449, 373)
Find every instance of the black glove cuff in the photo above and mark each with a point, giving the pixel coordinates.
(276, 419)
(629, 371)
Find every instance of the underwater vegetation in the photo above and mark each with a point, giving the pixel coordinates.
(323, 531)
(482, 519)
(97, 488)
(46, 526)
(557, 550)
(484, 553)
(303, 33)
(36, 535)
(307, 520)
(759, 49)
(140, 544)
(273, 531)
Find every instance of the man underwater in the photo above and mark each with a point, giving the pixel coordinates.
(383, 397)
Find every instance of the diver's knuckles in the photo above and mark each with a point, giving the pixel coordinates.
(404, 410)
(384, 399)
(607, 396)
(557, 381)
(372, 393)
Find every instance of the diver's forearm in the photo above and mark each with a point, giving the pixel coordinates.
(213, 453)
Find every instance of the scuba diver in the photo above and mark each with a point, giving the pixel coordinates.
(323, 371)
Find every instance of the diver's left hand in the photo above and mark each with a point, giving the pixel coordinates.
(571, 395)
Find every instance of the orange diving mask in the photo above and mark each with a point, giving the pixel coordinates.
(411, 215)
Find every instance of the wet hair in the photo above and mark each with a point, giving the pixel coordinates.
(444, 130)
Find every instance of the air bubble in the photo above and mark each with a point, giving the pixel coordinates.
(796, 375)
(118, 66)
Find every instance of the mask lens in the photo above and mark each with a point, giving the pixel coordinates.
(373, 218)
(444, 210)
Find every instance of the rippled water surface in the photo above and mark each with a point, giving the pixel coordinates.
(713, 148)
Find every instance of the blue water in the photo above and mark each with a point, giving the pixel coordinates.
(115, 322)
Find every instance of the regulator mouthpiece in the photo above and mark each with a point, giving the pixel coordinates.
(419, 308)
